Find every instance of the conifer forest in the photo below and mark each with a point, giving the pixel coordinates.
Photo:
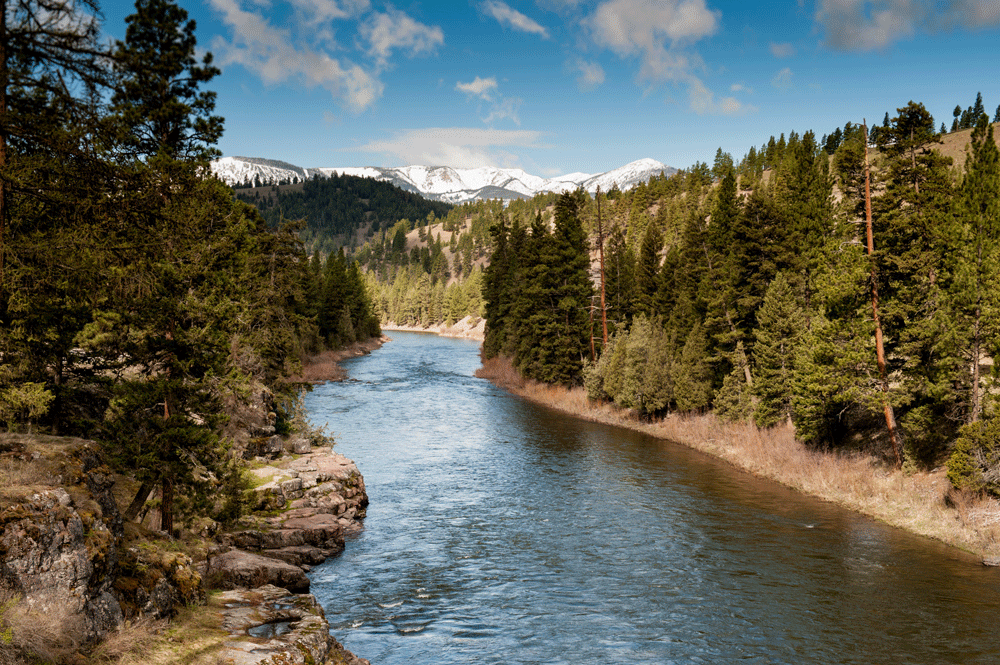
(141, 304)
(847, 284)
(762, 289)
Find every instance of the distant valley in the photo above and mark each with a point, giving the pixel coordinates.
(442, 183)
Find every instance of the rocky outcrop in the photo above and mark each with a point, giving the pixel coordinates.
(318, 498)
(321, 482)
(69, 559)
(62, 560)
(238, 569)
(270, 625)
(153, 584)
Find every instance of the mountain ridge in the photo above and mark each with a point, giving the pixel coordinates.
(442, 183)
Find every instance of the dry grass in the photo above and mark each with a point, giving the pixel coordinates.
(15, 472)
(955, 145)
(922, 503)
(130, 643)
(325, 366)
(194, 637)
(31, 635)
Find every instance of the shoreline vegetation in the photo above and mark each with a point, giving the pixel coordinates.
(325, 366)
(921, 503)
(467, 328)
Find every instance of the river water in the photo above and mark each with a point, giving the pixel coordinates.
(503, 532)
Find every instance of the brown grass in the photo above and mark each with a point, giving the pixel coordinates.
(325, 366)
(16, 472)
(922, 503)
(30, 635)
(130, 643)
(195, 636)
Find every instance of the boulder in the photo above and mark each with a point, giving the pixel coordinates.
(238, 569)
(298, 445)
(270, 447)
(153, 584)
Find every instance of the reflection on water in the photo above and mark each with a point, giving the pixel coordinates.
(503, 532)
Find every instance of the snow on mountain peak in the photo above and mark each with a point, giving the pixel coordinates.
(442, 183)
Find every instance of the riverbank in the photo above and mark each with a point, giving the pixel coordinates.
(325, 366)
(82, 585)
(468, 328)
(922, 503)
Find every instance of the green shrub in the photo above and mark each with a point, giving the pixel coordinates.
(975, 461)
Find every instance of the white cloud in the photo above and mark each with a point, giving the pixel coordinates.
(395, 30)
(505, 109)
(480, 87)
(866, 25)
(783, 79)
(654, 30)
(459, 147)
(591, 74)
(505, 14)
(271, 53)
(739, 87)
(321, 11)
(500, 107)
(784, 50)
(703, 102)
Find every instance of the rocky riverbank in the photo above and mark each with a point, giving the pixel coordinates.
(75, 579)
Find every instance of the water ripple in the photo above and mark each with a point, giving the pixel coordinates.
(502, 532)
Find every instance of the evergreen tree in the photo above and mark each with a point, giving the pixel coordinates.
(978, 269)
(692, 376)
(647, 268)
(914, 219)
(49, 47)
(160, 96)
(780, 324)
(561, 292)
(619, 279)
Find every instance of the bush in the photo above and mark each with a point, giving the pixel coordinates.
(975, 461)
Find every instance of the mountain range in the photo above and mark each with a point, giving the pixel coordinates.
(442, 183)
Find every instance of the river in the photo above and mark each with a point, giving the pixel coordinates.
(504, 532)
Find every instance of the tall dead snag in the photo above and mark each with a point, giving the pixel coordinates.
(890, 416)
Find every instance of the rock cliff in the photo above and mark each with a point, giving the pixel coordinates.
(75, 570)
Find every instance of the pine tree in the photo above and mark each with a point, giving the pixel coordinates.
(780, 324)
(647, 268)
(914, 220)
(159, 93)
(978, 269)
(692, 376)
(619, 277)
(977, 109)
(560, 321)
(48, 48)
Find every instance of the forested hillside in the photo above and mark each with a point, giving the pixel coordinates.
(140, 304)
(339, 211)
(747, 288)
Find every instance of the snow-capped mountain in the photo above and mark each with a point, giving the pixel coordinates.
(443, 183)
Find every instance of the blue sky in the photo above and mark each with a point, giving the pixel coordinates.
(559, 86)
